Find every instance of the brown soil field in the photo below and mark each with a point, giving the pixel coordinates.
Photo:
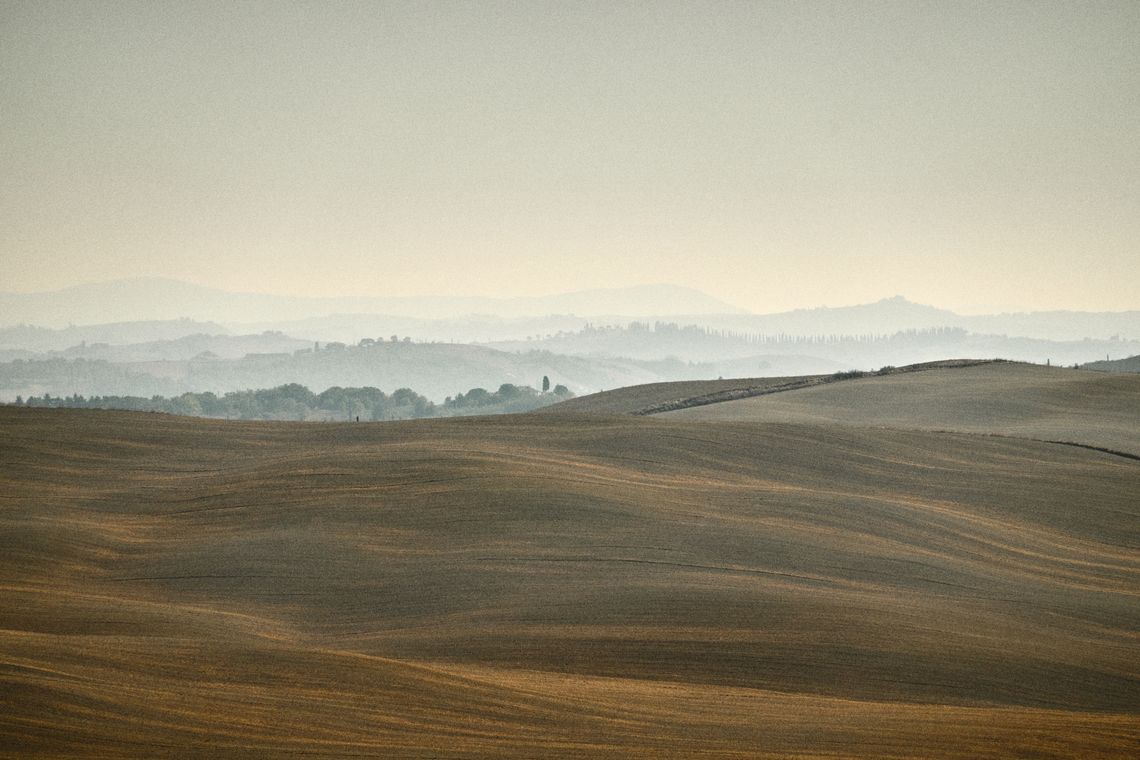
(637, 399)
(562, 586)
(1025, 400)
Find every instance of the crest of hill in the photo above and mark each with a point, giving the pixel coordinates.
(189, 347)
(654, 398)
(636, 399)
(1130, 364)
(889, 315)
(886, 315)
(41, 339)
(1030, 401)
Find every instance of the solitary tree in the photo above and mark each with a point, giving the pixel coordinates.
(545, 383)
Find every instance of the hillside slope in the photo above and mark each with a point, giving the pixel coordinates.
(1022, 400)
(637, 399)
(561, 586)
(655, 398)
(1129, 364)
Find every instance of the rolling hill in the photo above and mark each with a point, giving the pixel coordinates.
(1129, 364)
(42, 339)
(642, 399)
(578, 585)
(999, 398)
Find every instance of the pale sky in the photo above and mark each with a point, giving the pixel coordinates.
(975, 156)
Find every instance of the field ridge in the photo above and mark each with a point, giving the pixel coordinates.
(809, 381)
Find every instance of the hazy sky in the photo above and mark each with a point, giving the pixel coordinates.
(970, 155)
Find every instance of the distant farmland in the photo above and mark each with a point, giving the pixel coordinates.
(823, 572)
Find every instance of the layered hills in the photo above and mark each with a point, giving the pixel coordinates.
(166, 299)
(586, 341)
(584, 584)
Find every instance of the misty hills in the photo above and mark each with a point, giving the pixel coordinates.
(25, 337)
(859, 351)
(165, 299)
(890, 315)
(474, 319)
(436, 370)
(194, 346)
(472, 328)
(575, 336)
(440, 356)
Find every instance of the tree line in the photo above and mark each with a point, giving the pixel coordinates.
(296, 402)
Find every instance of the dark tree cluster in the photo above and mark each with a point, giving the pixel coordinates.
(296, 402)
(509, 398)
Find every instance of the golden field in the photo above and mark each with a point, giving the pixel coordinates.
(882, 567)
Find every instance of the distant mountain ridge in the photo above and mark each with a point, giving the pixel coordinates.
(33, 338)
(477, 319)
(165, 299)
(897, 313)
